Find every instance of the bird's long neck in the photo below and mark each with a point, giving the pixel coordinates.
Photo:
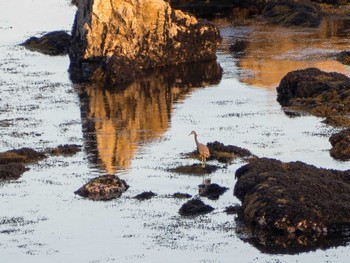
(195, 139)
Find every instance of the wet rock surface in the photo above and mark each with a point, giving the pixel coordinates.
(66, 149)
(195, 169)
(293, 198)
(195, 207)
(292, 13)
(13, 162)
(150, 34)
(233, 209)
(181, 195)
(145, 196)
(53, 43)
(12, 171)
(317, 92)
(344, 57)
(340, 145)
(211, 191)
(104, 187)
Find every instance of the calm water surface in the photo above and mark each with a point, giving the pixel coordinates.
(140, 131)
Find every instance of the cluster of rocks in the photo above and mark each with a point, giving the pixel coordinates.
(13, 163)
(324, 94)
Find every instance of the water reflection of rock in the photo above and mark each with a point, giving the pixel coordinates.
(116, 120)
(264, 62)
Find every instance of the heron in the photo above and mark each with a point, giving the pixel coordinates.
(202, 149)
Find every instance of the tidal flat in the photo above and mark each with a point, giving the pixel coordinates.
(140, 133)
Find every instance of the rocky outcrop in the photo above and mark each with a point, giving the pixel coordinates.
(13, 162)
(340, 145)
(53, 43)
(344, 57)
(324, 94)
(124, 38)
(292, 13)
(293, 198)
(104, 187)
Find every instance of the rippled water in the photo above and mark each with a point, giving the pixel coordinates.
(140, 131)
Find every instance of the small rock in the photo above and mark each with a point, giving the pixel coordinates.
(145, 196)
(195, 169)
(181, 195)
(211, 191)
(104, 187)
(344, 57)
(12, 171)
(22, 155)
(195, 207)
(53, 43)
(233, 209)
(67, 149)
(341, 145)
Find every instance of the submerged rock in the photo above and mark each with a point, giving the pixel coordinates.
(22, 155)
(12, 171)
(66, 149)
(233, 209)
(53, 43)
(145, 196)
(195, 207)
(340, 145)
(104, 187)
(195, 169)
(292, 13)
(121, 39)
(324, 94)
(181, 195)
(211, 191)
(293, 198)
(12, 162)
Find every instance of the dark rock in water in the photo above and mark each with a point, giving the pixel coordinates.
(181, 195)
(292, 13)
(317, 92)
(145, 196)
(121, 39)
(22, 155)
(341, 145)
(344, 57)
(104, 187)
(233, 209)
(12, 171)
(66, 149)
(195, 169)
(226, 153)
(293, 198)
(195, 207)
(211, 191)
(53, 43)
(12, 162)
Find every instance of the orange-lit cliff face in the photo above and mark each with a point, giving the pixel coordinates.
(264, 61)
(121, 120)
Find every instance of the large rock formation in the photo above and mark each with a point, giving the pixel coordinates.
(293, 198)
(127, 37)
(292, 13)
(324, 94)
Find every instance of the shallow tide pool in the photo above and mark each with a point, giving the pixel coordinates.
(140, 132)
